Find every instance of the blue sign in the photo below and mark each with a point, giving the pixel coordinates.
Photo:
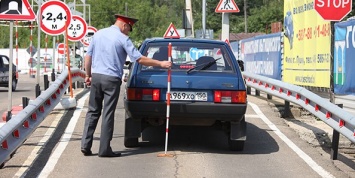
(262, 55)
(196, 53)
(344, 50)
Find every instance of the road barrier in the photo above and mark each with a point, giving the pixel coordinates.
(21, 126)
(340, 120)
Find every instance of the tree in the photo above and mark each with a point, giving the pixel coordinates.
(156, 15)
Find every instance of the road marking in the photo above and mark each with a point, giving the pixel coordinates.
(252, 116)
(37, 149)
(53, 159)
(295, 148)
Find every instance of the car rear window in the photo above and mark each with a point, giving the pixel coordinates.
(189, 55)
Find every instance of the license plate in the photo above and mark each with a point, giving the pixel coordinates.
(188, 96)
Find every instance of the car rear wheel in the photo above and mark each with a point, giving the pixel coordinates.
(132, 131)
(14, 84)
(130, 142)
(238, 145)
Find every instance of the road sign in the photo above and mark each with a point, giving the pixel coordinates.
(227, 6)
(227, 41)
(61, 48)
(77, 28)
(89, 33)
(171, 32)
(55, 17)
(333, 10)
(31, 50)
(16, 10)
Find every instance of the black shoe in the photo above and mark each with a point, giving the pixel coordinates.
(113, 154)
(86, 152)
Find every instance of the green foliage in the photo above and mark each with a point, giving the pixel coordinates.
(156, 15)
(261, 17)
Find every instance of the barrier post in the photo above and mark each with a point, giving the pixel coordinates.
(335, 142)
(269, 97)
(257, 93)
(37, 90)
(287, 110)
(9, 115)
(45, 81)
(25, 102)
(248, 90)
(53, 75)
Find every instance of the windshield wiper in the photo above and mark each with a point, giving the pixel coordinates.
(205, 65)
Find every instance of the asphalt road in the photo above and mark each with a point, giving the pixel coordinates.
(272, 149)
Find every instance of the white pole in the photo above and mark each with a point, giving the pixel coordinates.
(39, 43)
(9, 106)
(225, 26)
(168, 101)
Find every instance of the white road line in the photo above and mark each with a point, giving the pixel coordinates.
(53, 159)
(295, 148)
(252, 116)
(36, 151)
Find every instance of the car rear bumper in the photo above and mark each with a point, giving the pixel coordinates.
(184, 110)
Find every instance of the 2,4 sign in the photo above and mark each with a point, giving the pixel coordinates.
(56, 17)
(77, 28)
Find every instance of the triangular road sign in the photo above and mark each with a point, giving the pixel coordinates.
(171, 32)
(227, 6)
(227, 41)
(16, 10)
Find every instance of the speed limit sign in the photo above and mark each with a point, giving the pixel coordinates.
(55, 17)
(77, 28)
(87, 39)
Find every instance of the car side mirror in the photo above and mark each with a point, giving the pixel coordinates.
(241, 65)
(130, 65)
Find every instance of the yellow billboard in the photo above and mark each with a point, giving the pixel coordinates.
(307, 40)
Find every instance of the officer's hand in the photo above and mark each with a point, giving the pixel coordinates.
(165, 64)
(88, 80)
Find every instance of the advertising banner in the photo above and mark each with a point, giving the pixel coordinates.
(262, 55)
(306, 45)
(344, 62)
(235, 48)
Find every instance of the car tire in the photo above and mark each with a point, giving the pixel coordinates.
(236, 145)
(131, 142)
(14, 84)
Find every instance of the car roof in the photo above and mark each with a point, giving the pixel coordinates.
(199, 40)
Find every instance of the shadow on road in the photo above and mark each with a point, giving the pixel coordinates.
(202, 139)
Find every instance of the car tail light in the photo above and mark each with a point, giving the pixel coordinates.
(143, 94)
(230, 96)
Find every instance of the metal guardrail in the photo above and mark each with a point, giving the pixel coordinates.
(21, 126)
(337, 118)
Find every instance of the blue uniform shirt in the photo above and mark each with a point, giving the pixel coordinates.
(108, 49)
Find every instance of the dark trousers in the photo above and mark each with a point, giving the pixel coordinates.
(104, 92)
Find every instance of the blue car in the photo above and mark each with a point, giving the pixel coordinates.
(206, 89)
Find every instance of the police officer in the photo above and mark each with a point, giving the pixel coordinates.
(104, 62)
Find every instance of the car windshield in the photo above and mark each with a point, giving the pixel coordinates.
(190, 57)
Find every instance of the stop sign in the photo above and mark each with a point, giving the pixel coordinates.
(61, 48)
(333, 10)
